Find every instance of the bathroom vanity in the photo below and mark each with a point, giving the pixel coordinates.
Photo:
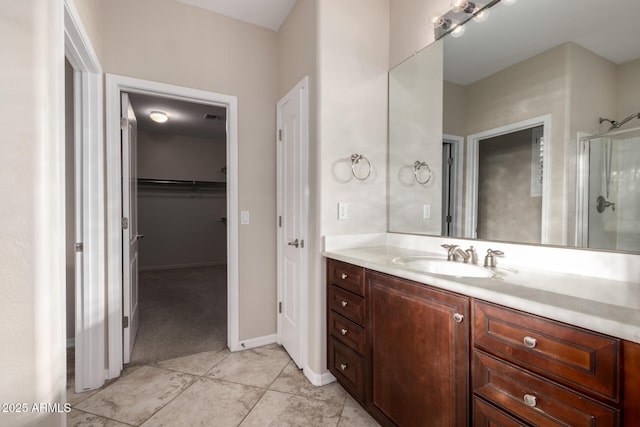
(414, 352)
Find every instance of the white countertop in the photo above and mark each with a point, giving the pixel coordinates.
(607, 306)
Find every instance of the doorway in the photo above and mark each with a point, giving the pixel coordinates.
(488, 214)
(176, 226)
(117, 286)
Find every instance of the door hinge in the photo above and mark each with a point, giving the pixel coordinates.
(449, 219)
(279, 134)
(125, 322)
(279, 307)
(280, 221)
(450, 161)
(123, 123)
(79, 247)
(125, 223)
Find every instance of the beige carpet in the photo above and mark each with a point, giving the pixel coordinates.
(182, 311)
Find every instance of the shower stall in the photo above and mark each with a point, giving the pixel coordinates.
(608, 199)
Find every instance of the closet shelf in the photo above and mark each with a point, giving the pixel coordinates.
(183, 185)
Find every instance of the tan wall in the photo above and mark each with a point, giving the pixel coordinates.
(454, 120)
(628, 91)
(170, 42)
(32, 273)
(182, 228)
(90, 12)
(411, 28)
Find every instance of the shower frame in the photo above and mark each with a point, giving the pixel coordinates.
(582, 183)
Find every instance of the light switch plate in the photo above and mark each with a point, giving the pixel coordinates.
(426, 212)
(343, 211)
(244, 217)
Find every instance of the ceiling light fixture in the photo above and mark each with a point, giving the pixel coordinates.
(158, 116)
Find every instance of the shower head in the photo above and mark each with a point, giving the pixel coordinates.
(626, 119)
(616, 124)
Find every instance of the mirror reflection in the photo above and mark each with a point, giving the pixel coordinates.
(529, 125)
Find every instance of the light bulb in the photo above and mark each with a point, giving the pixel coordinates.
(463, 6)
(481, 16)
(158, 116)
(458, 31)
(441, 22)
(508, 2)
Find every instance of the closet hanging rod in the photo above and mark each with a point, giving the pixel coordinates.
(180, 183)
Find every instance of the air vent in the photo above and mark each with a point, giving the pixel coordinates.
(213, 117)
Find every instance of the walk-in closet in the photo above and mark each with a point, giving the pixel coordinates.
(181, 221)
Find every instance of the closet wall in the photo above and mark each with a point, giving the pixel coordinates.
(182, 227)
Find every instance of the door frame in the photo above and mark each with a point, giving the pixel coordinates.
(457, 143)
(302, 90)
(115, 84)
(471, 219)
(88, 134)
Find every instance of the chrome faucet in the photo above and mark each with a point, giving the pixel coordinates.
(473, 255)
(460, 253)
(456, 253)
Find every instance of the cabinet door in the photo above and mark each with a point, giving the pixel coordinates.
(419, 353)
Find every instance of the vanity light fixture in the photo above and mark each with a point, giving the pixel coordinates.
(158, 116)
(462, 11)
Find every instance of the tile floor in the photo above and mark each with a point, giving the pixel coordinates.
(258, 387)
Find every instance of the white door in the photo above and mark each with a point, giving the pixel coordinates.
(130, 234)
(292, 221)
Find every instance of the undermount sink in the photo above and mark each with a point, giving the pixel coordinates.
(440, 266)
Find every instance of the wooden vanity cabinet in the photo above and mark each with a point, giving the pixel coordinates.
(416, 355)
(419, 353)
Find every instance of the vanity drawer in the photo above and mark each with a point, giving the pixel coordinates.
(347, 367)
(486, 415)
(349, 305)
(535, 399)
(578, 358)
(346, 331)
(347, 276)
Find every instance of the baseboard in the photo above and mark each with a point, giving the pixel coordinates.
(71, 342)
(256, 342)
(176, 266)
(318, 379)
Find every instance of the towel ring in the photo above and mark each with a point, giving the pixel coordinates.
(416, 169)
(355, 159)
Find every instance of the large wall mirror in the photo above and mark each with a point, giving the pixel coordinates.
(524, 129)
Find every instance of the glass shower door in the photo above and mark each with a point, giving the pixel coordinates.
(613, 201)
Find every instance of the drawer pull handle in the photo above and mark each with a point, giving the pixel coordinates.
(458, 317)
(344, 276)
(344, 366)
(530, 400)
(344, 303)
(530, 342)
(344, 331)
